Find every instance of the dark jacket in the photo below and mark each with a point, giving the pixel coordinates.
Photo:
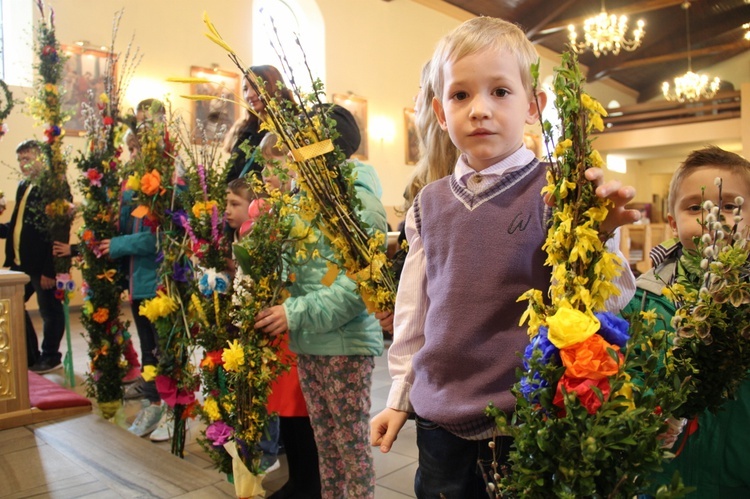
(36, 245)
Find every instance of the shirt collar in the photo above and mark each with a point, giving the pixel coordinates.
(518, 159)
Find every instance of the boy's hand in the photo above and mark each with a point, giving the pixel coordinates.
(48, 282)
(386, 321)
(384, 428)
(104, 246)
(60, 249)
(619, 195)
(272, 320)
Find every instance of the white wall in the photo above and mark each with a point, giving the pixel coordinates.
(374, 49)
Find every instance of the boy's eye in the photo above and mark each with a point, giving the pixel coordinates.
(694, 208)
(460, 95)
(500, 92)
(729, 207)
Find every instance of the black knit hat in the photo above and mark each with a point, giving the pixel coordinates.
(349, 137)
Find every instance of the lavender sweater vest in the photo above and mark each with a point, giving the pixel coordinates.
(482, 252)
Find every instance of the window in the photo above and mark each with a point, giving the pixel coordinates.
(17, 38)
(291, 19)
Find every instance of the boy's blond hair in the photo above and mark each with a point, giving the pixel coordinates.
(709, 156)
(271, 147)
(478, 34)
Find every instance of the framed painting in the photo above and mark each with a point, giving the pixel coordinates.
(85, 71)
(358, 107)
(411, 138)
(214, 117)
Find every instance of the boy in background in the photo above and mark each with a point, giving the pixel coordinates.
(715, 450)
(28, 249)
(475, 242)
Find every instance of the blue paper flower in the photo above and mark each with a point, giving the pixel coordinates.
(541, 342)
(613, 329)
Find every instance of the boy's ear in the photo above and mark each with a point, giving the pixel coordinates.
(437, 106)
(536, 106)
(672, 224)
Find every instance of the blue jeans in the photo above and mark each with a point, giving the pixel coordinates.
(453, 467)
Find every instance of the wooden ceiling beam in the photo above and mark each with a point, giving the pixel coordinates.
(636, 8)
(550, 16)
(661, 59)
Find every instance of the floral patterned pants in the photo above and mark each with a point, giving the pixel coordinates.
(337, 392)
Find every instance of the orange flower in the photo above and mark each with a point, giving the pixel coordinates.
(151, 183)
(101, 315)
(87, 235)
(212, 359)
(589, 359)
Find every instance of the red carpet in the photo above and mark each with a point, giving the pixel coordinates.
(45, 394)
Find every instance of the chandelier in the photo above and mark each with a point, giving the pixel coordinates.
(605, 33)
(690, 86)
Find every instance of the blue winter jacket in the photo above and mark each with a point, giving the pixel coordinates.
(334, 320)
(139, 244)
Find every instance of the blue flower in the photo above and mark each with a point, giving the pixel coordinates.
(179, 217)
(613, 329)
(530, 385)
(221, 284)
(180, 272)
(541, 342)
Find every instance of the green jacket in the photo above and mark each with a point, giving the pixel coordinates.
(716, 458)
(138, 244)
(333, 320)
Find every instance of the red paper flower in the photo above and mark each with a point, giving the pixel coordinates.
(582, 388)
(212, 359)
(167, 388)
(94, 176)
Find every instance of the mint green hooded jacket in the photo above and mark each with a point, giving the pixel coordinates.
(333, 320)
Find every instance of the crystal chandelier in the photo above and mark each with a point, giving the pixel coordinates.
(690, 86)
(605, 33)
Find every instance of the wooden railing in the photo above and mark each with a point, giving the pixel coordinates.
(724, 105)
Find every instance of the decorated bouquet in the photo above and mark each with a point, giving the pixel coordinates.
(102, 278)
(307, 130)
(592, 401)
(712, 323)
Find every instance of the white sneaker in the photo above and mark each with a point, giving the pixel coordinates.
(276, 465)
(147, 420)
(163, 432)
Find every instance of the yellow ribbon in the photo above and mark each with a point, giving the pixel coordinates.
(313, 150)
(108, 275)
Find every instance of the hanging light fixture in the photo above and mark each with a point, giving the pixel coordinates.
(605, 33)
(690, 86)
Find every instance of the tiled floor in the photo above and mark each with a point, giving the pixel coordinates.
(394, 471)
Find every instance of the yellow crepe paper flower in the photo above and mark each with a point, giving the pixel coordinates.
(161, 306)
(211, 408)
(233, 357)
(569, 326)
(149, 373)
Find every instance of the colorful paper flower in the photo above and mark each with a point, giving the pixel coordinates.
(590, 359)
(582, 388)
(233, 357)
(167, 388)
(568, 326)
(212, 359)
(211, 408)
(101, 315)
(219, 433)
(613, 329)
(94, 176)
(151, 183)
